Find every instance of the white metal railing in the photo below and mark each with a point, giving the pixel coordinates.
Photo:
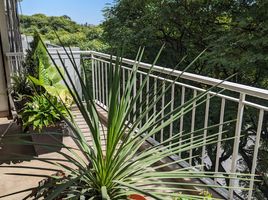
(235, 102)
(15, 62)
(240, 97)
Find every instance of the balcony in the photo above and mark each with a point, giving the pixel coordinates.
(225, 101)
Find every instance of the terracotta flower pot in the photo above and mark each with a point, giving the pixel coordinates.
(136, 197)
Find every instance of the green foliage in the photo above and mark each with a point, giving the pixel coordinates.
(235, 33)
(42, 111)
(20, 85)
(122, 166)
(86, 37)
(51, 80)
(35, 54)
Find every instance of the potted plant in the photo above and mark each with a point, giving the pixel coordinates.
(20, 91)
(41, 118)
(122, 169)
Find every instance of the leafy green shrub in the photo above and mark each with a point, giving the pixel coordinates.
(42, 112)
(50, 79)
(35, 54)
(20, 85)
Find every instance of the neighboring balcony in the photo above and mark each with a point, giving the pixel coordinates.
(234, 110)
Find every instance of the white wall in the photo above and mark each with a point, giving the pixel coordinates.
(68, 64)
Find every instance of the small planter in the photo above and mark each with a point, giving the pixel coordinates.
(47, 136)
(19, 102)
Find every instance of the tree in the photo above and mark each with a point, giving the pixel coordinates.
(71, 33)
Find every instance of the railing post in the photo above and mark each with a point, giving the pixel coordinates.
(93, 76)
(220, 136)
(255, 154)
(238, 128)
(182, 115)
(192, 127)
(205, 131)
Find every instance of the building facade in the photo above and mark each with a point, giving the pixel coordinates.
(10, 41)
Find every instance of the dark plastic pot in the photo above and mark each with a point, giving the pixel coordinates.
(48, 137)
(19, 104)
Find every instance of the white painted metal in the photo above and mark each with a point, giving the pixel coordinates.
(205, 131)
(124, 78)
(155, 97)
(99, 80)
(255, 154)
(181, 118)
(218, 154)
(134, 95)
(140, 99)
(106, 85)
(236, 141)
(252, 91)
(171, 108)
(102, 81)
(147, 97)
(192, 126)
(93, 77)
(163, 111)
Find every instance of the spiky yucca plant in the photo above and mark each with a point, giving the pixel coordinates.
(123, 167)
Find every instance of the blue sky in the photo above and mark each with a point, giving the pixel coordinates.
(81, 11)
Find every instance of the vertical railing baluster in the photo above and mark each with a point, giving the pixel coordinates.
(128, 75)
(99, 80)
(192, 127)
(140, 100)
(119, 89)
(106, 85)
(171, 109)
(163, 111)
(147, 97)
(238, 127)
(134, 95)
(182, 115)
(155, 91)
(93, 76)
(218, 154)
(124, 79)
(255, 154)
(205, 131)
(102, 80)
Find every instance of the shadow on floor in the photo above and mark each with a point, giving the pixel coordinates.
(12, 151)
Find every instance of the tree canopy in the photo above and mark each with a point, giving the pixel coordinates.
(87, 37)
(234, 33)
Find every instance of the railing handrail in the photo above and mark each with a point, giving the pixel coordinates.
(248, 90)
(8, 54)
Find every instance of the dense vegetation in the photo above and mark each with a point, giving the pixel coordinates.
(235, 34)
(71, 34)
